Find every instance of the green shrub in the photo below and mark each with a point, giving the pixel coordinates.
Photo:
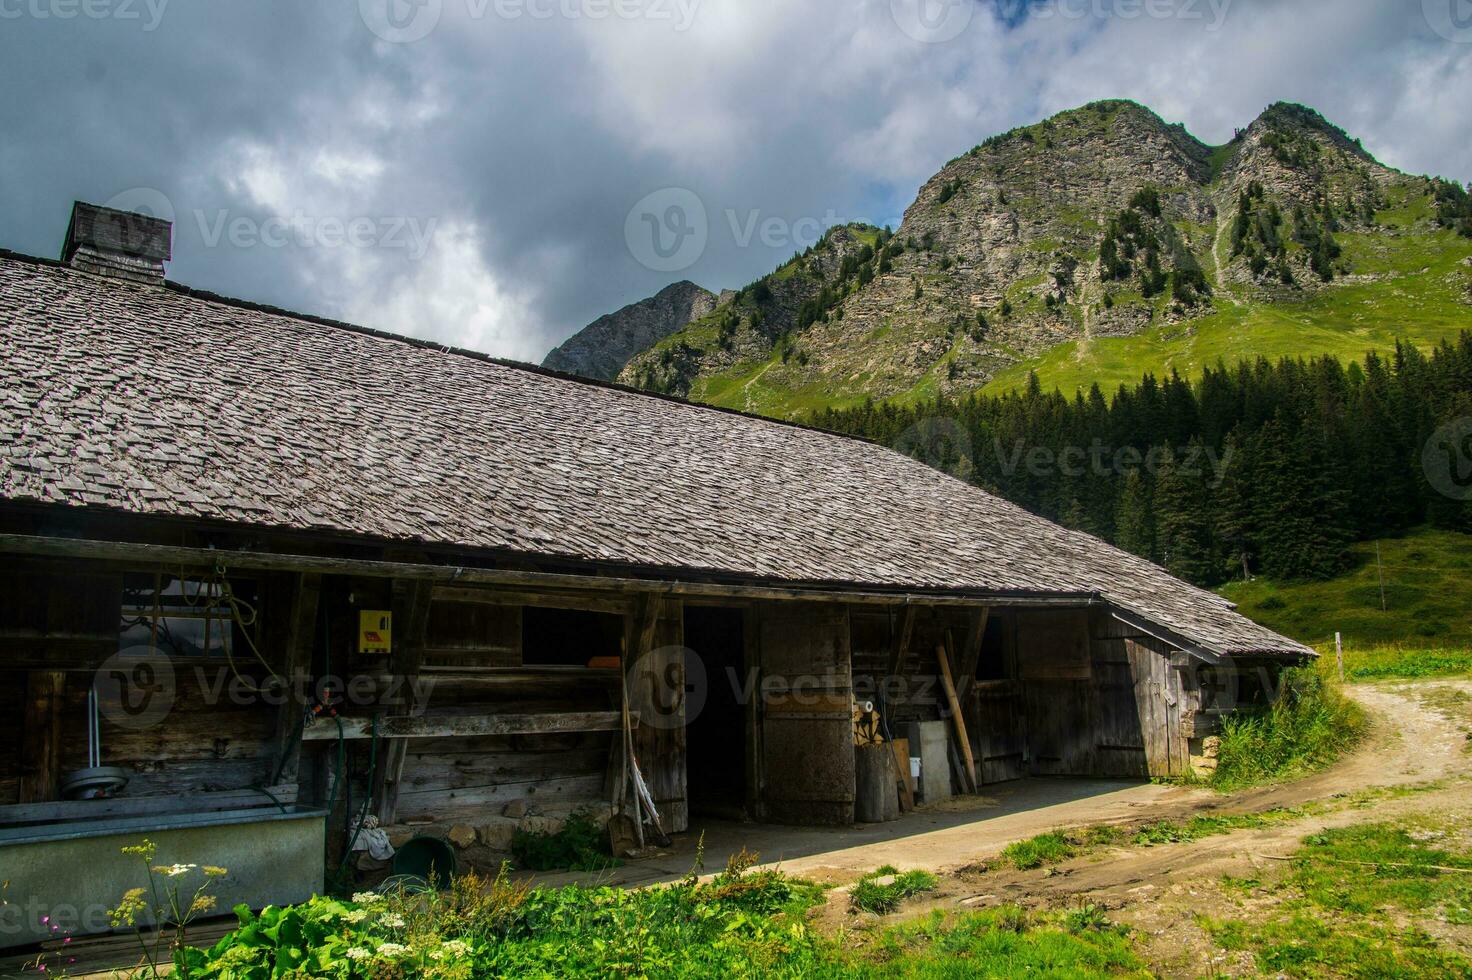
(1306, 727)
(871, 896)
(578, 846)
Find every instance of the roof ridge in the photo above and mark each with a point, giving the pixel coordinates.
(209, 296)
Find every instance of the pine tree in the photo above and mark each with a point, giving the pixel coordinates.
(1183, 518)
(1133, 520)
(1233, 508)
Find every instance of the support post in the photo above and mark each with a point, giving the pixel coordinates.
(40, 762)
(969, 767)
(411, 602)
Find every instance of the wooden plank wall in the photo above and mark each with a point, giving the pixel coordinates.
(807, 721)
(1054, 666)
(1141, 703)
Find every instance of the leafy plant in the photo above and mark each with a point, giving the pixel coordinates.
(578, 846)
(1307, 726)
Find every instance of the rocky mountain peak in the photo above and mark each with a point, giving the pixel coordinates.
(602, 348)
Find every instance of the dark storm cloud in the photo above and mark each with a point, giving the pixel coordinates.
(474, 184)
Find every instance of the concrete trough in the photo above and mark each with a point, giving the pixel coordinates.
(63, 877)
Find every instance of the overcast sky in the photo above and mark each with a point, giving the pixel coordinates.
(491, 173)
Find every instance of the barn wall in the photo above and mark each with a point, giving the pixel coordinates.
(59, 625)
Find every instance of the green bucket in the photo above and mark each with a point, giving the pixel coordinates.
(421, 857)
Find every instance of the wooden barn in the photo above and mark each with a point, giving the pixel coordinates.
(264, 573)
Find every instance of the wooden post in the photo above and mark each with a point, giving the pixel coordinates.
(412, 610)
(969, 769)
(296, 666)
(1339, 655)
(40, 761)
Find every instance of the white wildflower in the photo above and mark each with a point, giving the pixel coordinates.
(358, 953)
(366, 898)
(392, 920)
(355, 915)
(392, 950)
(450, 949)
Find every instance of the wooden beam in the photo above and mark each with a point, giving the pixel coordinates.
(455, 726)
(900, 642)
(969, 769)
(152, 555)
(40, 759)
(145, 806)
(550, 599)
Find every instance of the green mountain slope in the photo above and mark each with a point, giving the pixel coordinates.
(1096, 245)
(1427, 599)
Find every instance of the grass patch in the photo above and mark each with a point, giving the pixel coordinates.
(882, 891)
(1309, 725)
(1006, 942)
(1347, 897)
(1053, 847)
(1399, 662)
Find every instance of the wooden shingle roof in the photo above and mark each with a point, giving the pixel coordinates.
(162, 402)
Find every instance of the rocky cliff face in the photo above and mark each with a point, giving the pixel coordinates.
(602, 348)
(1100, 222)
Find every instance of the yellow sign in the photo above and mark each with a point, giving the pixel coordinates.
(375, 631)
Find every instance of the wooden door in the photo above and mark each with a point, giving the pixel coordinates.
(998, 728)
(806, 715)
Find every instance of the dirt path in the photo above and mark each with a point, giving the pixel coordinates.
(1420, 737)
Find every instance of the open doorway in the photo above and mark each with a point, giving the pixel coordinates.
(716, 735)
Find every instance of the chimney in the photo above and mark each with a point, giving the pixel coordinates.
(118, 244)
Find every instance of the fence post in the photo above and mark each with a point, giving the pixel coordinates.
(1339, 655)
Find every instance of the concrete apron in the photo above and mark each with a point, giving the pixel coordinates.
(63, 878)
(947, 835)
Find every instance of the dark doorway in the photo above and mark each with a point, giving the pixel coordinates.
(716, 735)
